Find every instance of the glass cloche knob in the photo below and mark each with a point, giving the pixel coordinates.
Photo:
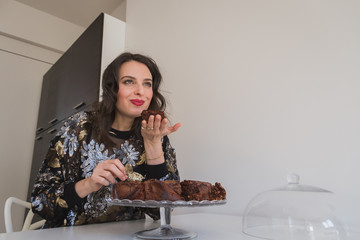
(293, 178)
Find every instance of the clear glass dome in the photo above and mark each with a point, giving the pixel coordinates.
(293, 212)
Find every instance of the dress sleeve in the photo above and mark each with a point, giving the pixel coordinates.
(170, 160)
(167, 170)
(47, 195)
(60, 169)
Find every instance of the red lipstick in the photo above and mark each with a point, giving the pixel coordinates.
(137, 102)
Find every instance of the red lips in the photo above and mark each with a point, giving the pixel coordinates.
(137, 102)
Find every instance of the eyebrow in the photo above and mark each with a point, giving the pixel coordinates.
(127, 77)
(131, 77)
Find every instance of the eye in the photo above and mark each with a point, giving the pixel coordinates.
(148, 84)
(128, 81)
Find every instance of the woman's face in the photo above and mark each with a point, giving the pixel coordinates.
(135, 89)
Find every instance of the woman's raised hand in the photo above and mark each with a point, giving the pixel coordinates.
(156, 128)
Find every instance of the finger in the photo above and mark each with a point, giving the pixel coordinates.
(143, 124)
(108, 176)
(111, 167)
(174, 128)
(100, 180)
(102, 171)
(157, 121)
(150, 124)
(115, 167)
(121, 167)
(116, 172)
(163, 125)
(116, 162)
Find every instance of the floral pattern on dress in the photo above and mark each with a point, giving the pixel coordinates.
(166, 177)
(73, 122)
(37, 202)
(129, 155)
(67, 132)
(96, 203)
(71, 218)
(71, 144)
(91, 155)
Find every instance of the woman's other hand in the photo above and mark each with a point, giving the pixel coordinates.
(104, 173)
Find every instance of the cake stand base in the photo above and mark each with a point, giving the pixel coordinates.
(165, 233)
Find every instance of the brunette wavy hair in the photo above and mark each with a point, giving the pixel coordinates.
(105, 109)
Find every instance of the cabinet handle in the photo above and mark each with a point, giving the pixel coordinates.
(53, 121)
(39, 129)
(76, 107)
(38, 138)
(52, 130)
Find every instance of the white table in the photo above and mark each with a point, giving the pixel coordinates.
(207, 226)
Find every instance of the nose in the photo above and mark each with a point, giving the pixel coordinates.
(139, 89)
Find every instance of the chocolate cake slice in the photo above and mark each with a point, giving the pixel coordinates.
(195, 190)
(151, 189)
(128, 190)
(162, 190)
(217, 192)
(199, 191)
(147, 113)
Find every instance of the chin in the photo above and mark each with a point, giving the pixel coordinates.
(138, 113)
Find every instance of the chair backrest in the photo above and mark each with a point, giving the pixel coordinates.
(27, 224)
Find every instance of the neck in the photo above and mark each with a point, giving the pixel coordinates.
(122, 123)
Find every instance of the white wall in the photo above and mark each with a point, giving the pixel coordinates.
(263, 88)
(120, 12)
(31, 25)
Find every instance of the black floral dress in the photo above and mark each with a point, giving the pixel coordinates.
(73, 155)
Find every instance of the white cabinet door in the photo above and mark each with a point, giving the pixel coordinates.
(20, 79)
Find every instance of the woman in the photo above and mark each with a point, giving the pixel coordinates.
(96, 149)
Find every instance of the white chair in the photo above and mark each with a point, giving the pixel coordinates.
(27, 224)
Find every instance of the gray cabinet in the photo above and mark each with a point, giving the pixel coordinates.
(73, 81)
(72, 84)
(41, 146)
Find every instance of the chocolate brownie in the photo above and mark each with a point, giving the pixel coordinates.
(147, 113)
(197, 190)
(217, 192)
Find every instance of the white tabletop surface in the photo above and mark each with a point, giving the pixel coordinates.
(207, 226)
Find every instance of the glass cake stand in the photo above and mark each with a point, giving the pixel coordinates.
(165, 231)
